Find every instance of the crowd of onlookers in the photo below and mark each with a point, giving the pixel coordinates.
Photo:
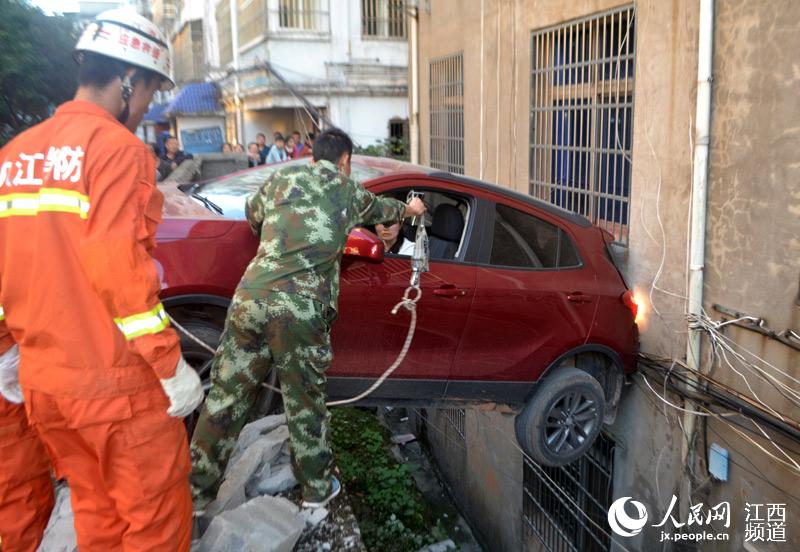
(258, 153)
(282, 148)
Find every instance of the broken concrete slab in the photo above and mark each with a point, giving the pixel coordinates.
(444, 546)
(255, 430)
(314, 516)
(263, 524)
(259, 455)
(59, 536)
(271, 480)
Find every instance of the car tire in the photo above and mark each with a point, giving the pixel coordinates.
(198, 357)
(563, 417)
(201, 358)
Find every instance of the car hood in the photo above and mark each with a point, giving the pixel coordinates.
(185, 218)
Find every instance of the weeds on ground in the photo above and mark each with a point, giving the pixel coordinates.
(391, 511)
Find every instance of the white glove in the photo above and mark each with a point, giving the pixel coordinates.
(184, 389)
(9, 375)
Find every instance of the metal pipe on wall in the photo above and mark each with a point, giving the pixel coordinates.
(697, 238)
(235, 48)
(413, 62)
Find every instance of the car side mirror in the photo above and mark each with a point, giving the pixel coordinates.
(364, 245)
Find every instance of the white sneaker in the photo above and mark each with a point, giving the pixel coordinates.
(336, 488)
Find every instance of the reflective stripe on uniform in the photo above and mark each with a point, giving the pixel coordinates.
(2, 314)
(150, 322)
(45, 200)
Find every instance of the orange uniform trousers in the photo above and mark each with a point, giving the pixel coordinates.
(127, 465)
(26, 490)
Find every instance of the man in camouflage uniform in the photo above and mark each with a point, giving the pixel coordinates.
(282, 312)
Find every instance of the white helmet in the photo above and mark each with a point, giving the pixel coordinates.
(125, 35)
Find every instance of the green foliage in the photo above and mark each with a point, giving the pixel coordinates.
(391, 511)
(37, 71)
(390, 147)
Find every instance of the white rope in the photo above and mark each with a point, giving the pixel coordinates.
(408, 302)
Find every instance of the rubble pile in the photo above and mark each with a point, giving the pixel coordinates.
(249, 513)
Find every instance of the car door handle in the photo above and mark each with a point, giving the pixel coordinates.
(578, 297)
(449, 290)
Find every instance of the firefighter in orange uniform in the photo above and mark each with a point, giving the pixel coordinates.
(26, 492)
(103, 380)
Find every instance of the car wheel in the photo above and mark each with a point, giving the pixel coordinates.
(199, 357)
(563, 417)
(267, 400)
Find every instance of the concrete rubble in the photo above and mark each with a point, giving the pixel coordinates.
(246, 515)
(263, 524)
(60, 533)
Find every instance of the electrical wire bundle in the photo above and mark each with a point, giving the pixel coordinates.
(743, 414)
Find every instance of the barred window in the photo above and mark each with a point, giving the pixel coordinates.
(304, 15)
(456, 418)
(582, 117)
(552, 518)
(398, 137)
(383, 18)
(447, 113)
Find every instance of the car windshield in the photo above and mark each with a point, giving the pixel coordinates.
(230, 192)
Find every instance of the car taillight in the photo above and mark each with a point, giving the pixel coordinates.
(630, 301)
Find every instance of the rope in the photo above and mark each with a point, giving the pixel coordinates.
(408, 302)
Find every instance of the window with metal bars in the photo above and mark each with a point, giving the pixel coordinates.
(447, 113)
(582, 117)
(383, 18)
(457, 419)
(304, 15)
(550, 496)
(398, 137)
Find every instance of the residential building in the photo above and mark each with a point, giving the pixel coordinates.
(347, 59)
(592, 105)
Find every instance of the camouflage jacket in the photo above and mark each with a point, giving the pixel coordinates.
(303, 215)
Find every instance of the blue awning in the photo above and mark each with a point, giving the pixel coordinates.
(156, 114)
(197, 98)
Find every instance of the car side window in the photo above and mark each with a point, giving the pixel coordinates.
(445, 222)
(524, 241)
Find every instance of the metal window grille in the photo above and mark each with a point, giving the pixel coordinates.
(398, 137)
(447, 113)
(304, 15)
(457, 419)
(224, 33)
(582, 85)
(252, 20)
(552, 518)
(383, 18)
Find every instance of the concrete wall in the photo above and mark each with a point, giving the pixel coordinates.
(753, 245)
(753, 223)
(367, 119)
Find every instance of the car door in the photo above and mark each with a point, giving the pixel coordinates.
(367, 337)
(535, 298)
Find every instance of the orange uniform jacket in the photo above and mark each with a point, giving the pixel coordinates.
(78, 288)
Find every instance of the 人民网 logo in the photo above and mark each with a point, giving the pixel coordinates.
(623, 524)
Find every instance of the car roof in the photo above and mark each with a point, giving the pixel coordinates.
(513, 194)
(387, 166)
(382, 166)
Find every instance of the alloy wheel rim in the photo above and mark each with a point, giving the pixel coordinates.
(570, 421)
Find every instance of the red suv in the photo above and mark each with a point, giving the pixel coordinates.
(522, 305)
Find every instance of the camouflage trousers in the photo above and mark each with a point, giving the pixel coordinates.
(268, 330)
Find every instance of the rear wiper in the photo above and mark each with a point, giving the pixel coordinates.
(210, 205)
